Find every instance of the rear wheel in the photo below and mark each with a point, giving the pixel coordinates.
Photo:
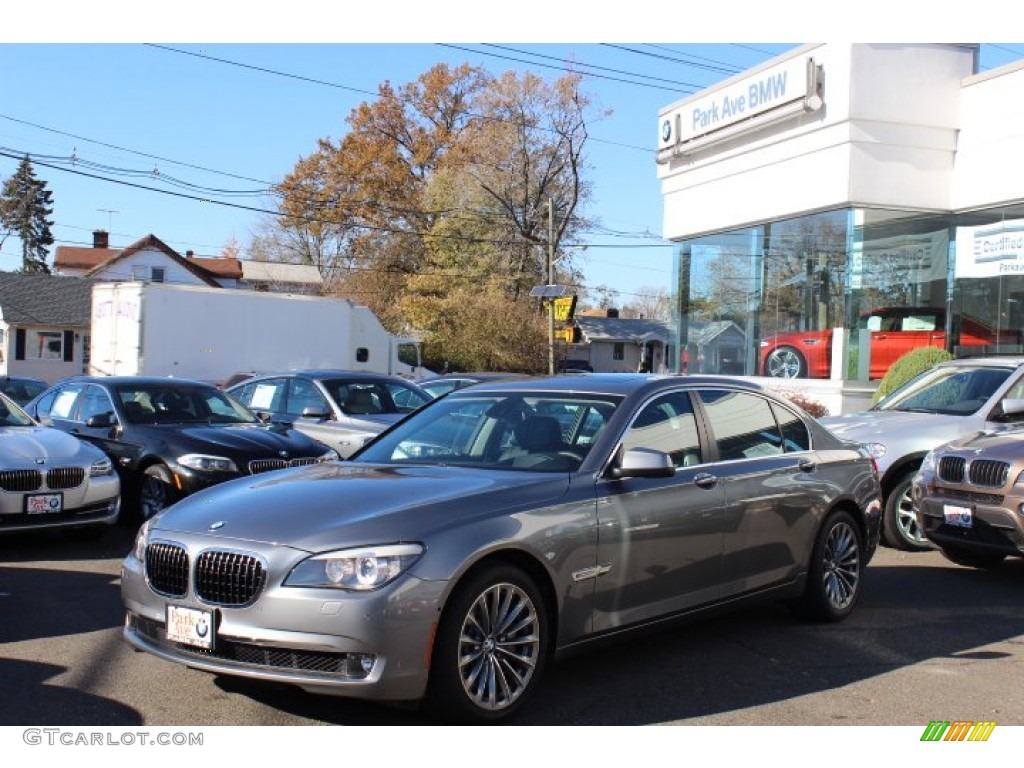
(899, 523)
(156, 491)
(490, 647)
(837, 568)
(785, 363)
(972, 558)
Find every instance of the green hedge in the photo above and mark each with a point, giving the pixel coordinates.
(915, 362)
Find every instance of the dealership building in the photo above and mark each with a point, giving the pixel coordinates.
(841, 195)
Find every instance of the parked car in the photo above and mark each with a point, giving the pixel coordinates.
(486, 533)
(448, 382)
(49, 479)
(342, 409)
(894, 331)
(171, 437)
(968, 496)
(954, 398)
(572, 366)
(21, 389)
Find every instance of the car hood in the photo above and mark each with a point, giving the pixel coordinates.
(256, 439)
(340, 504)
(883, 426)
(1007, 445)
(31, 443)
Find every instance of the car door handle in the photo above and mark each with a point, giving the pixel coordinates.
(705, 480)
(806, 465)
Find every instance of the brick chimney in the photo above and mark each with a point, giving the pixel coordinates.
(100, 239)
(190, 254)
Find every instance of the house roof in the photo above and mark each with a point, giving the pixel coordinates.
(276, 272)
(73, 257)
(154, 242)
(218, 266)
(46, 300)
(624, 329)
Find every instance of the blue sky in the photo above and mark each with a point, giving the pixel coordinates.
(139, 114)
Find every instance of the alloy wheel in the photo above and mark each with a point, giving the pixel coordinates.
(841, 566)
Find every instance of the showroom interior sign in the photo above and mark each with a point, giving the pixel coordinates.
(991, 250)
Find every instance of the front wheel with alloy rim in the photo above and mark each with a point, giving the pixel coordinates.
(785, 363)
(491, 646)
(837, 568)
(156, 491)
(899, 523)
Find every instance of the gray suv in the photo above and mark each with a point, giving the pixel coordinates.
(952, 399)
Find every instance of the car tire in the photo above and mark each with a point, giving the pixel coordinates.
(836, 571)
(156, 491)
(491, 647)
(785, 363)
(971, 558)
(899, 523)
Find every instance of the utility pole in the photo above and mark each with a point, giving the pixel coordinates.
(551, 281)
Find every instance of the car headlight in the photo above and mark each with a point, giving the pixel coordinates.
(141, 542)
(331, 455)
(876, 450)
(358, 569)
(100, 467)
(205, 463)
(928, 462)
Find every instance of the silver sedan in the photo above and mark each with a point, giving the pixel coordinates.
(458, 553)
(50, 479)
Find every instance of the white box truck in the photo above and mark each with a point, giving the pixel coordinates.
(205, 333)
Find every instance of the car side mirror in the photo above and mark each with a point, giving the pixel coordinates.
(315, 412)
(101, 420)
(644, 462)
(1013, 409)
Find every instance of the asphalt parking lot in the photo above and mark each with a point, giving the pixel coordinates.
(930, 640)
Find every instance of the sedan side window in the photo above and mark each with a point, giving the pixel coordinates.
(95, 402)
(303, 394)
(795, 436)
(667, 424)
(64, 403)
(743, 425)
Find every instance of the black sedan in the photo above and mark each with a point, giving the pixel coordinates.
(171, 437)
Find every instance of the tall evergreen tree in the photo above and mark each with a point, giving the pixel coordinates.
(25, 207)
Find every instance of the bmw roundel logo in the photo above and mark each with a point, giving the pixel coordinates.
(666, 130)
(202, 628)
(283, 454)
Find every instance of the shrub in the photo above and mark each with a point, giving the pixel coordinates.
(914, 362)
(813, 407)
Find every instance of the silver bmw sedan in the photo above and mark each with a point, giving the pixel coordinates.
(465, 548)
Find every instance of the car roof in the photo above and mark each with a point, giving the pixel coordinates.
(136, 380)
(1006, 361)
(330, 373)
(611, 383)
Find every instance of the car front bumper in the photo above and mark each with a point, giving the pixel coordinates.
(373, 645)
(95, 502)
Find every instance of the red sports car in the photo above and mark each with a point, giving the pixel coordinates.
(894, 332)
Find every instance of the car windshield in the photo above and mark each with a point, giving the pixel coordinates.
(537, 432)
(180, 404)
(12, 416)
(953, 390)
(368, 397)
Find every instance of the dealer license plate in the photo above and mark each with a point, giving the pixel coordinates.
(190, 626)
(44, 503)
(960, 517)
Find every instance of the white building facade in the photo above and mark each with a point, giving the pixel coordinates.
(840, 179)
